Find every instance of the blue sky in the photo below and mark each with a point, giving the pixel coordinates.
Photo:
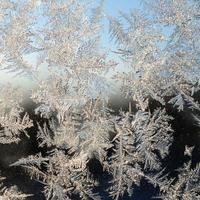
(114, 6)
